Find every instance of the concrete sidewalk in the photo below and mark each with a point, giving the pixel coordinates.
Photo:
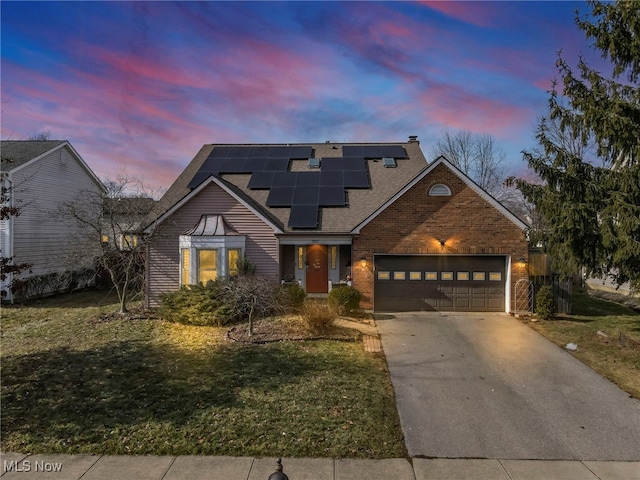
(107, 467)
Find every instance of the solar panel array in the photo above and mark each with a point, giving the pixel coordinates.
(303, 192)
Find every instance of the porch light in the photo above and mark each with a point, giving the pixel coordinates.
(522, 261)
(442, 242)
(363, 262)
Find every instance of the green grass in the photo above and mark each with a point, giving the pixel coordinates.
(590, 315)
(71, 384)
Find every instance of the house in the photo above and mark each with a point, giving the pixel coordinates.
(123, 218)
(37, 177)
(410, 235)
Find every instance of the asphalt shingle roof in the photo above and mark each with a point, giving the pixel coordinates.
(18, 152)
(385, 183)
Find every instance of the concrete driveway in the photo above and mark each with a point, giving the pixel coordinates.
(484, 385)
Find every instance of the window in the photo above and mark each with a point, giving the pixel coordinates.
(185, 264)
(300, 258)
(399, 275)
(463, 276)
(495, 276)
(415, 275)
(127, 241)
(439, 190)
(207, 265)
(233, 256)
(383, 276)
(479, 276)
(334, 257)
(430, 275)
(446, 275)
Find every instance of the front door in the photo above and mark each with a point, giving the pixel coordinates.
(317, 269)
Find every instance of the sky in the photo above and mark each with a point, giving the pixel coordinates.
(139, 87)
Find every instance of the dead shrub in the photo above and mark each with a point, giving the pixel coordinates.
(318, 317)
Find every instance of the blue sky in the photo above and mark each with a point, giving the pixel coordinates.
(142, 86)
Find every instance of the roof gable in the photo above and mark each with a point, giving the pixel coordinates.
(228, 189)
(466, 179)
(18, 154)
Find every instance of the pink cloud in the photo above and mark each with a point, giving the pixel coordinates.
(480, 14)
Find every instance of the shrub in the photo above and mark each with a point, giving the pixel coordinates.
(194, 305)
(318, 316)
(224, 301)
(545, 305)
(344, 298)
(293, 296)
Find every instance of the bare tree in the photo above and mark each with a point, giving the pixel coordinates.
(113, 222)
(477, 155)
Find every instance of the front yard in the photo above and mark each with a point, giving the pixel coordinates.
(618, 361)
(72, 383)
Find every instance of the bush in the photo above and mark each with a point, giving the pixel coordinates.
(293, 296)
(194, 305)
(344, 298)
(545, 305)
(223, 301)
(318, 316)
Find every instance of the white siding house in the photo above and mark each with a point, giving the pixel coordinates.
(37, 177)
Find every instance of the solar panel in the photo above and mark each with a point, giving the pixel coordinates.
(261, 180)
(308, 179)
(332, 197)
(353, 163)
(373, 151)
(396, 151)
(352, 151)
(331, 178)
(260, 152)
(356, 179)
(331, 163)
(254, 165)
(280, 151)
(212, 164)
(284, 179)
(221, 152)
(306, 196)
(300, 152)
(280, 197)
(277, 164)
(233, 165)
(303, 216)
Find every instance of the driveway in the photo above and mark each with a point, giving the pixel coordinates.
(484, 385)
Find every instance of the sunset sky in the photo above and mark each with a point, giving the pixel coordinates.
(143, 85)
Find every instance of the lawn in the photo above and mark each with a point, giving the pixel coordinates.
(74, 384)
(620, 364)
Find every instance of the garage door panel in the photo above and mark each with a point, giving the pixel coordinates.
(448, 283)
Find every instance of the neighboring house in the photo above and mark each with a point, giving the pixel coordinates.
(410, 235)
(123, 218)
(38, 176)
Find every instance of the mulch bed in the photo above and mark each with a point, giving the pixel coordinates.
(277, 330)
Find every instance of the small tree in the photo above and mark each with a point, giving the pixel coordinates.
(113, 222)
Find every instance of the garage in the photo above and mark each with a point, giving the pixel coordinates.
(472, 283)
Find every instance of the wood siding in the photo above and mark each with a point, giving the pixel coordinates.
(163, 266)
(41, 236)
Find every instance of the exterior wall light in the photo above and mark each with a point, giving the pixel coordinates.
(363, 262)
(442, 242)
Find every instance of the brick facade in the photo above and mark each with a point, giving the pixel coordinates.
(416, 223)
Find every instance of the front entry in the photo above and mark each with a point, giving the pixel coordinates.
(317, 269)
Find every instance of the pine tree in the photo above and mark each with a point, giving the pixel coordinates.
(591, 205)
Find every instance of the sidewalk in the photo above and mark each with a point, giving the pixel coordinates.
(107, 467)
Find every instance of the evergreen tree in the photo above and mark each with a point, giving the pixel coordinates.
(591, 205)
